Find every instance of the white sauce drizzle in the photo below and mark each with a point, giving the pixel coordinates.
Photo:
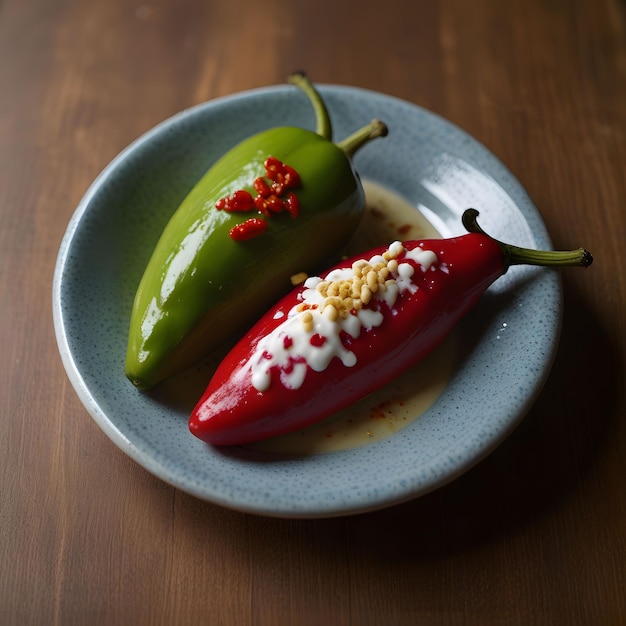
(294, 344)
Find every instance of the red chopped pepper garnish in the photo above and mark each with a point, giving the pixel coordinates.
(252, 227)
(272, 167)
(292, 178)
(271, 204)
(270, 199)
(285, 180)
(261, 187)
(282, 175)
(241, 200)
(292, 204)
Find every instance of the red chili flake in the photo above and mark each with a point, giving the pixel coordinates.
(282, 175)
(278, 188)
(275, 204)
(292, 204)
(272, 167)
(268, 201)
(271, 204)
(252, 227)
(261, 205)
(317, 340)
(288, 177)
(240, 200)
(291, 177)
(262, 188)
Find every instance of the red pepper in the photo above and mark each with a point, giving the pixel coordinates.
(266, 387)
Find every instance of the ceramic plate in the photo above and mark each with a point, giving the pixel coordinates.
(508, 342)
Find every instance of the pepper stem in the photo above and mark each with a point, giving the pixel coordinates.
(324, 125)
(356, 140)
(514, 255)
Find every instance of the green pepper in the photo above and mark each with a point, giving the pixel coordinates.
(222, 260)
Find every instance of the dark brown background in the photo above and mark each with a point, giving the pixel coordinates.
(533, 535)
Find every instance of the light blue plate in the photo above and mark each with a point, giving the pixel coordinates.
(509, 341)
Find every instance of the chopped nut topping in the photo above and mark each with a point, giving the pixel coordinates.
(307, 321)
(343, 297)
(331, 313)
(299, 278)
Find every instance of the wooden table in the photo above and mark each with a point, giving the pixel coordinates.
(535, 534)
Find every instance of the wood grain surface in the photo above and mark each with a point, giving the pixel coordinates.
(535, 534)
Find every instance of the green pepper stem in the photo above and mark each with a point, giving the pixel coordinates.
(514, 255)
(324, 125)
(356, 140)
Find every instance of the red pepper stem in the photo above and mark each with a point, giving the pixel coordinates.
(514, 255)
(356, 140)
(324, 125)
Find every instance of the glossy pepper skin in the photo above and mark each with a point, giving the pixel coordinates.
(202, 285)
(233, 411)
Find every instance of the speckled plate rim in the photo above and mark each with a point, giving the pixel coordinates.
(327, 485)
